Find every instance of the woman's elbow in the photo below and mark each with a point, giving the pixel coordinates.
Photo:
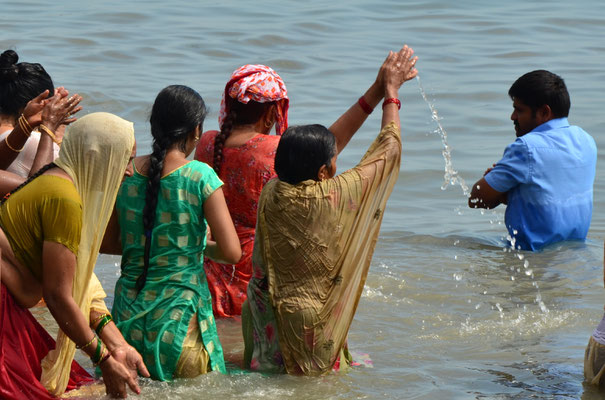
(55, 299)
(233, 254)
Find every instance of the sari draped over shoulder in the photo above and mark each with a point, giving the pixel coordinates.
(95, 152)
(314, 243)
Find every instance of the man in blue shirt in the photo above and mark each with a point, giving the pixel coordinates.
(545, 176)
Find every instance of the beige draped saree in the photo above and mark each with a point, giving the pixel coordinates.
(313, 247)
(94, 153)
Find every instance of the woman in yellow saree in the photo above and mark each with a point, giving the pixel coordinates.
(316, 233)
(51, 230)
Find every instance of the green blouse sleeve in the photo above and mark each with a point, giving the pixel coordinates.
(210, 181)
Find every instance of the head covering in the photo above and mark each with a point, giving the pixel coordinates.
(94, 153)
(261, 84)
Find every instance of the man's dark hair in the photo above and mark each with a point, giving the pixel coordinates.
(541, 87)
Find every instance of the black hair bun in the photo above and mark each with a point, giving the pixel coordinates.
(8, 65)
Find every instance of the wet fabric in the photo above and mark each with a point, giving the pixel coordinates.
(23, 344)
(24, 161)
(314, 243)
(261, 84)
(245, 170)
(548, 175)
(599, 333)
(594, 363)
(155, 321)
(47, 209)
(94, 153)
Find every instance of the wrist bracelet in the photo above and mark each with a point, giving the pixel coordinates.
(87, 344)
(103, 359)
(50, 133)
(24, 125)
(104, 321)
(364, 105)
(11, 147)
(392, 100)
(97, 319)
(98, 353)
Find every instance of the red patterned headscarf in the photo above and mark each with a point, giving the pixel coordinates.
(261, 84)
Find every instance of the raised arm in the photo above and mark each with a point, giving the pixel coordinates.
(12, 144)
(39, 111)
(347, 124)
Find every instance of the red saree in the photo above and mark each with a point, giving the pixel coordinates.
(23, 345)
(245, 170)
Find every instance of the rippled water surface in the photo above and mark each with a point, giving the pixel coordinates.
(446, 312)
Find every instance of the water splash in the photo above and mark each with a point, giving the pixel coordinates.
(450, 176)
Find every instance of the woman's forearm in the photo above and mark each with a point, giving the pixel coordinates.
(348, 123)
(110, 335)
(70, 319)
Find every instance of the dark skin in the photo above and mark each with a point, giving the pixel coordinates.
(525, 120)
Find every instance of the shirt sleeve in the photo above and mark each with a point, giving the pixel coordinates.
(513, 169)
(62, 222)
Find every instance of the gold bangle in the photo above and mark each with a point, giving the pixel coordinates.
(50, 133)
(98, 319)
(94, 336)
(24, 125)
(11, 147)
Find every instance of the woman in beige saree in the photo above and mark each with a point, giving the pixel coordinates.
(316, 234)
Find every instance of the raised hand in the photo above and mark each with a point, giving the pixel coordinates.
(397, 69)
(60, 109)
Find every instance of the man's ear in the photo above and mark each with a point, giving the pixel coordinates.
(544, 113)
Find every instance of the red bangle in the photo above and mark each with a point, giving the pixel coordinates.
(392, 100)
(364, 105)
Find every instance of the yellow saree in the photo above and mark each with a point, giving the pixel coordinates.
(94, 153)
(313, 247)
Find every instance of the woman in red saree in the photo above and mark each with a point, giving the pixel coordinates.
(242, 153)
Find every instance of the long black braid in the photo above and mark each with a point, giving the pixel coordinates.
(176, 112)
(31, 178)
(219, 140)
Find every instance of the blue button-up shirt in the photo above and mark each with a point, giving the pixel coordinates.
(548, 174)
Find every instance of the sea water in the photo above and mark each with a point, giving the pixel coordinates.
(448, 311)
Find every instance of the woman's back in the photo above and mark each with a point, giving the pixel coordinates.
(245, 170)
(180, 227)
(156, 319)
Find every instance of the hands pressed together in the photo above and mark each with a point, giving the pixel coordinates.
(396, 69)
(53, 111)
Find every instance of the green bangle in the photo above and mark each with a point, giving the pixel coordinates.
(97, 357)
(104, 321)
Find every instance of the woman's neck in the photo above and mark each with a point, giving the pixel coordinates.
(242, 133)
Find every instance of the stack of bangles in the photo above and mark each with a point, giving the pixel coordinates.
(25, 127)
(101, 353)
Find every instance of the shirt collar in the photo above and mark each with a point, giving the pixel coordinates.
(552, 124)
